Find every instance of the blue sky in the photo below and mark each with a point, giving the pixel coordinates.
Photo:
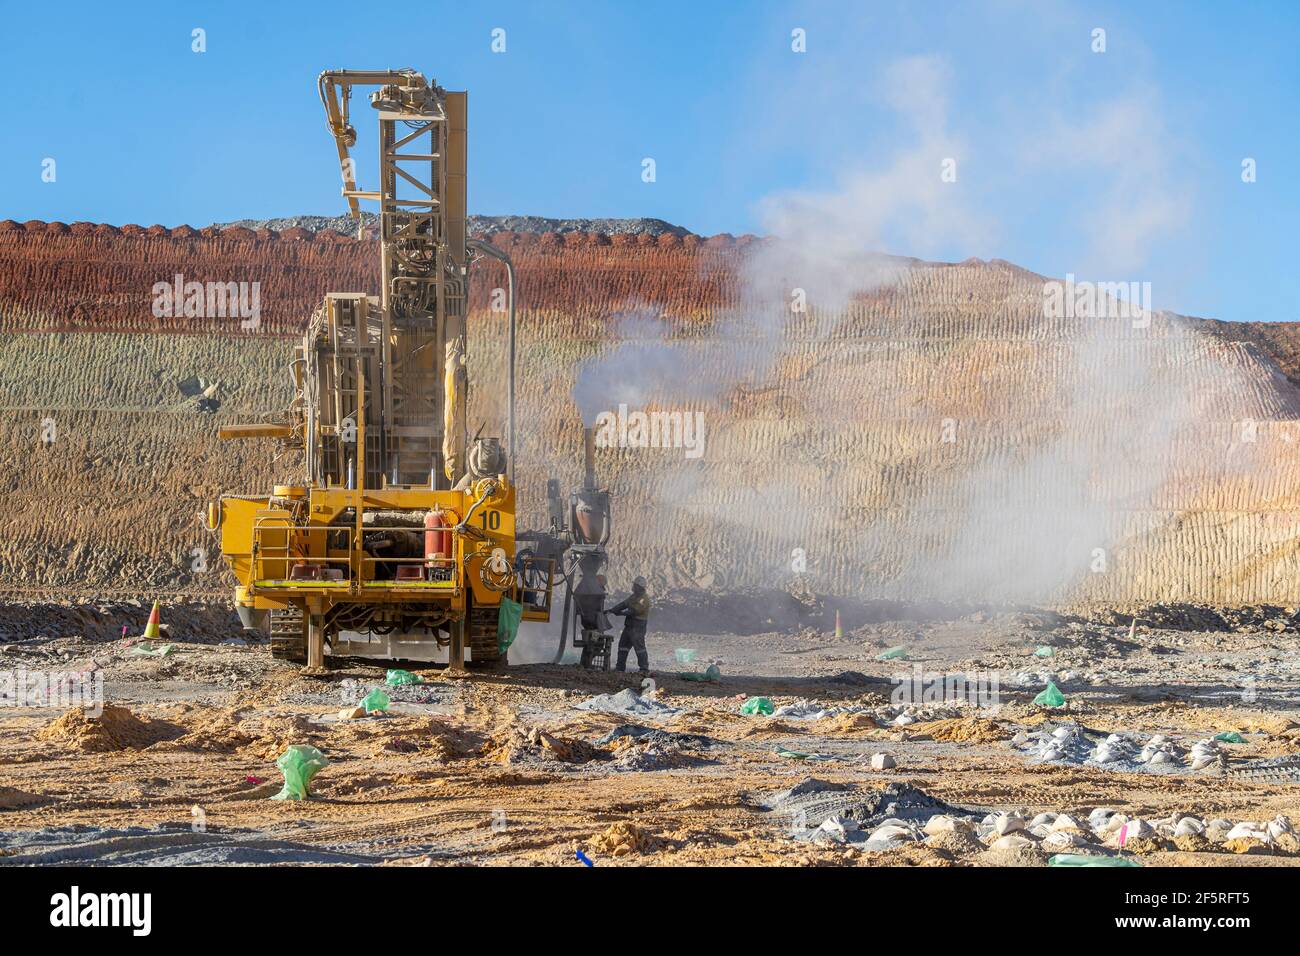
(1119, 165)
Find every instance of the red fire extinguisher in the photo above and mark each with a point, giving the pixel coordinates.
(437, 537)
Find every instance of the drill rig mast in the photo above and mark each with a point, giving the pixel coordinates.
(424, 273)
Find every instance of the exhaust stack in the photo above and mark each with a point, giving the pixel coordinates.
(589, 458)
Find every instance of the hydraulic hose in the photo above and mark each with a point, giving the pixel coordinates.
(564, 622)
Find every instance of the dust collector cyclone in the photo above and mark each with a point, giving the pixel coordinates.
(584, 580)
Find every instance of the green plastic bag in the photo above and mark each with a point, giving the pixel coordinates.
(684, 655)
(163, 650)
(1078, 859)
(398, 677)
(800, 755)
(1045, 651)
(1051, 697)
(710, 675)
(757, 705)
(892, 653)
(299, 764)
(375, 700)
(512, 613)
(1230, 737)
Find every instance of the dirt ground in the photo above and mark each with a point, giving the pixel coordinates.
(507, 767)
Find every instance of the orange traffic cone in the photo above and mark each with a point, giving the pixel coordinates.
(151, 629)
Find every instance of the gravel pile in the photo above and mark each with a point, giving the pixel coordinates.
(657, 737)
(627, 701)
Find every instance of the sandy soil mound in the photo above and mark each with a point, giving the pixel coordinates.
(114, 729)
(655, 751)
(963, 730)
(843, 724)
(771, 728)
(622, 839)
(517, 745)
(915, 854)
(956, 842)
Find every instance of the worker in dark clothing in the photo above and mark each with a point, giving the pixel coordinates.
(635, 612)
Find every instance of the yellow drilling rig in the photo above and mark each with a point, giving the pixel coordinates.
(397, 540)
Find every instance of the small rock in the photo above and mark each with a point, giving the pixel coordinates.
(883, 762)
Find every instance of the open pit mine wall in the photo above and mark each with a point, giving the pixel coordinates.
(938, 439)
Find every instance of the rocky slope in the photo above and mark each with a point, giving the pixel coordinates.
(938, 438)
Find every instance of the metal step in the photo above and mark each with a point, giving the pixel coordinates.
(289, 635)
(483, 650)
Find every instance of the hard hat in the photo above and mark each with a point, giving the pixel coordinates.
(638, 582)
